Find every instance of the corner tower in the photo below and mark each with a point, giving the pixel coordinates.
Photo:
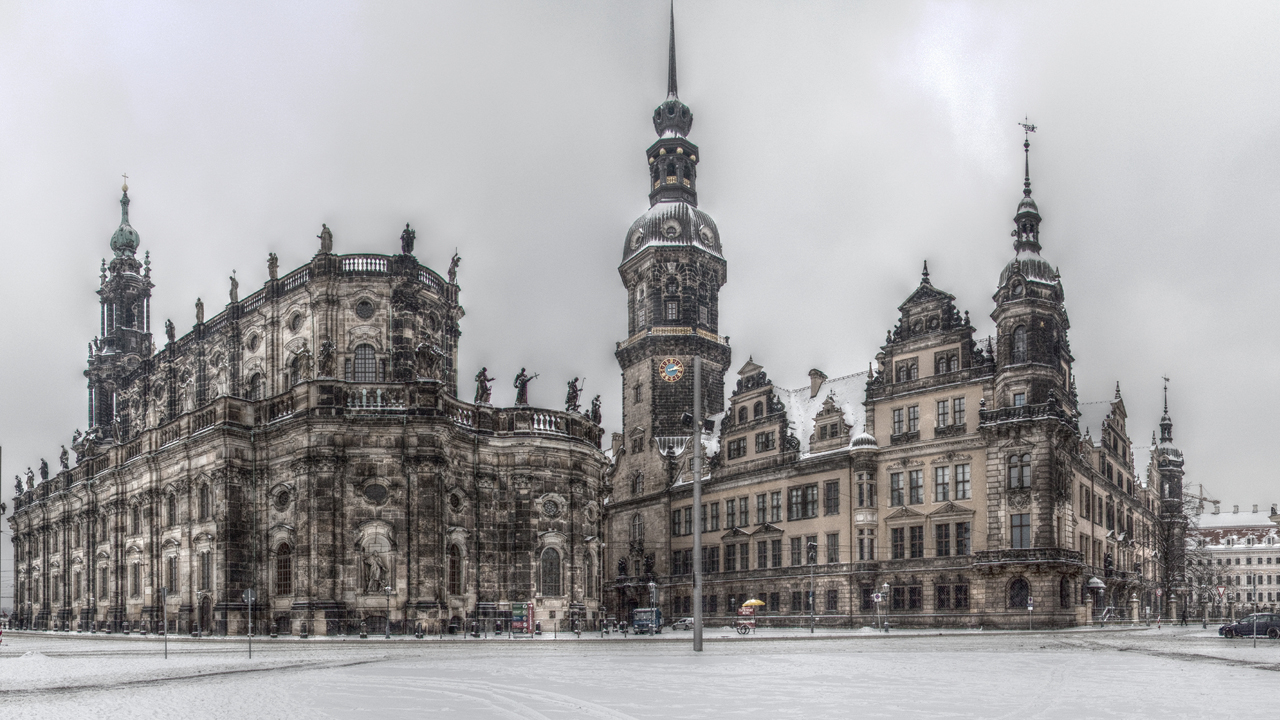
(672, 269)
(1033, 357)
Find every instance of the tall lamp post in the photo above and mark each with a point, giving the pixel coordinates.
(813, 598)
(388, 591)
(884, 589)
(697, 504)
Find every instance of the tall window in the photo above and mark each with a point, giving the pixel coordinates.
(75, 586)
(257, 387)
(171, 509)
(833, 547)
(898, 542)
(204, 502)
(957, 408)
(757, 410)
(962, 538)
(941, 483)
(775, 506)
(944, 413)
(760, 509)
(171, 574)
(135, 580)
(103, 576)
(897, 421)
(1020, 471)
(1019, 593)
(797, 551)
(942, 540)
(831, 498)
(295, 370)
(895, 489)
(640, 307)
(284, 569)
(673, 309)
(455, 569)
(775, 551)
(1020, 344)
(1020, 531)
(589, 576)
(135, 520)
(963, 487)
(916, 478)
(364, 367)
(550, 572)
(206, 570)
(917, 541)
(913, 418)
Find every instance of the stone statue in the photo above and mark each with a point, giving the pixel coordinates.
(622, 566)
(235, 288)
(44, 470)
(221, 380)
(199, 311)
(306, 362)
(595, 410)
(483, 390)
(64, 459)
(169, 331)
(406, 240)
(425, 356)
(75, 436)
(326, 359)
(453, 269)
(17, 485)
(571, 397)
(377, 572)
(522, 387)
(273, 266)
(31, 480)
(326, 239)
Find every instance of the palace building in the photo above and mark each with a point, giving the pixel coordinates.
(306, 443)
(956, 483)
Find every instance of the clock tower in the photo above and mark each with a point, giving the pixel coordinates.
(672, 268)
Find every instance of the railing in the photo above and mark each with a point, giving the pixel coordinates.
(204, 419)
(170, 433)
(364, 264)
(373, 399)
(280, 407)
(131, 451)
(546, 422)
(1022, 412)
(428, 278)
(254, 301)
(295, 279)
(1027, 555)
(682, 330)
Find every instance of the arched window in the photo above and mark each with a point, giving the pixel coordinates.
(295, 370)
(742, 414)
(550, 572)
(284, 569)
(757, 410)
(1020, 471)
(1019, 593)
(365, 367)
(135, 520)
(953, 363)
(171, 509)
(204, 502)
(1020, 344)
(257, 387)
(455, 570)
(637, 528)
(637, 483)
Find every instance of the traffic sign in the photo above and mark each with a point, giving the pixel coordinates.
(1222, 592)
(1159, 592)
(248, 595)
(877, 597)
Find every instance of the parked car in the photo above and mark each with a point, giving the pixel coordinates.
(682, 624)
(1267, 624)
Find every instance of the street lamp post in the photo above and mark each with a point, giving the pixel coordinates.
(388, 591)
(813, 598)
(884, 589)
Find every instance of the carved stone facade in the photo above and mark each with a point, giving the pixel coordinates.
(307, 443)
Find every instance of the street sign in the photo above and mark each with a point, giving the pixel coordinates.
(1159, 592)
(248, 595)
(1222, 592)
(877, 597)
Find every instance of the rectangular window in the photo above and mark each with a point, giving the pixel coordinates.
(766, 441)
(957, 411)
(897, 421)
(744, 555)
(774, 604)
(731, 514)
(1020, 531)
(833, 600)
(962, 538)
(715, 516)
(135, 580)
(688, 520)
(776, 547)
(75, 586)
(795, 504)
(103, 585)
(206, 571)
(737, 448)
(760, 509)
(942, 540)
(916, 477)
(673, 309)
(917, 541)
(833, 547)
(742, 512)
(895, 489)
(1019, 399)
(941, 483)
(942, 597)
(868, 603)
(762, 554)
(915, 598)
(963, 489)
(775, 506)
(702, 522)
(796, 551)
(899, 596)
(677, 523)
(898, 543)
(913, 418)
(944, 414)
(171, 574)
(796, 601)
(960, 597)
(810, 508)
(704, 316)
(676, 569)
(831, 498)
(711, 559)
(730, 558)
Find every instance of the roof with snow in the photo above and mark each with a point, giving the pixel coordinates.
(848, 394)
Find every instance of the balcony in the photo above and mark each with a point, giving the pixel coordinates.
(1027, 555)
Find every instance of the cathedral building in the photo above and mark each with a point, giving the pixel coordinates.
(955, 483)
(303, 458)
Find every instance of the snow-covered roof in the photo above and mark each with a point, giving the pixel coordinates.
(848, 394)
(1225, 518)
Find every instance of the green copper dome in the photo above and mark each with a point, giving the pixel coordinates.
(125, 240)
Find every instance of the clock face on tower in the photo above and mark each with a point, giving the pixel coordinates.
(671, 369)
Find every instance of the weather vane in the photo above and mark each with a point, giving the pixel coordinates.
(1027, 127)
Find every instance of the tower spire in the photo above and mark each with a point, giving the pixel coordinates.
(1026, 231)
(671, 58)
(1027, 129)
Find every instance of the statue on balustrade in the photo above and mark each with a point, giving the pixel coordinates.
(406, 240)
(273, 266)
(199, 311)
(483, 389)
(44, 470)
(522, 387)
(326, 239)
(235, 288)
(169, 331)
(595, 410)
(571, 397)
(17, 485)
(453, 269)
(63, 459)
(31, 480)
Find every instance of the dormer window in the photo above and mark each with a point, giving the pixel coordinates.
(757, 410)
(742, 414)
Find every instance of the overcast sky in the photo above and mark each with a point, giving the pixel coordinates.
(842, 144)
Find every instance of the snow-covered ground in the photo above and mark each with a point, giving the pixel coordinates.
(1166, 673)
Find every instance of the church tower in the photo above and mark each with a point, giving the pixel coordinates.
(673, 269)
(125, 327)
(1033, 357)
(1167, 470)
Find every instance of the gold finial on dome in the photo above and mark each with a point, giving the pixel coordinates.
(125, 186)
